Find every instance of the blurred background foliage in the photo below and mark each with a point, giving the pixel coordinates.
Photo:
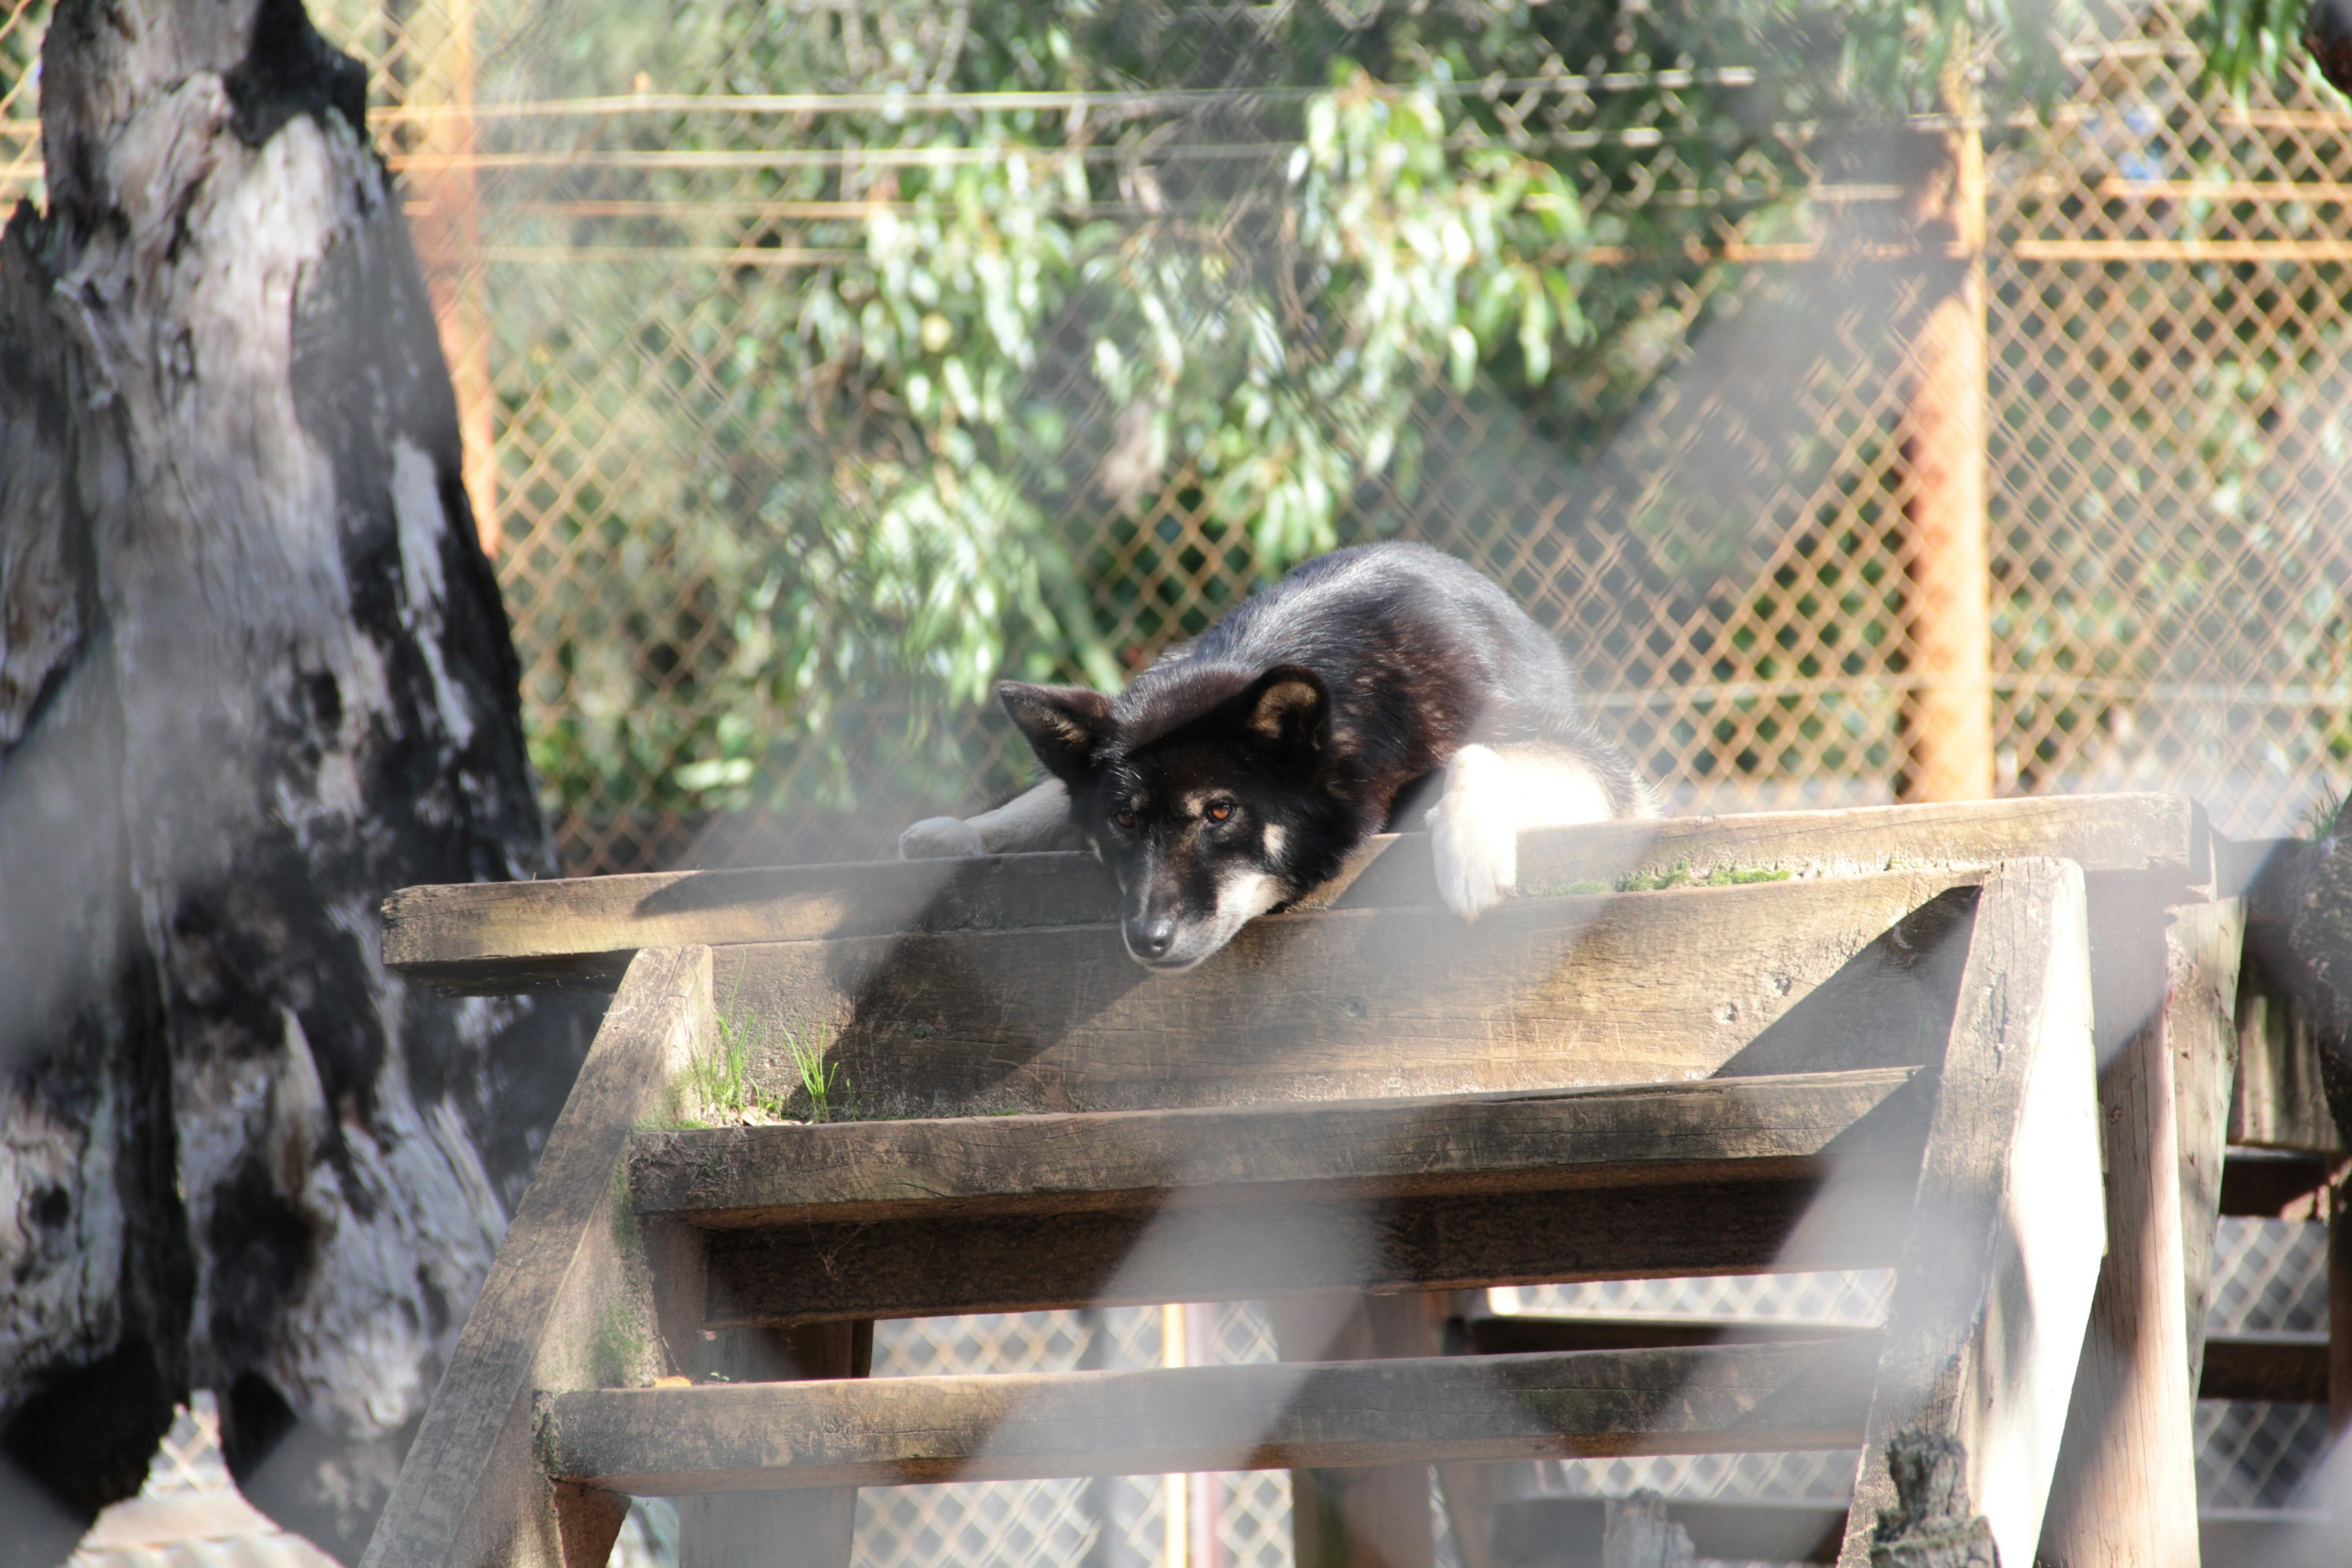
(834, 358)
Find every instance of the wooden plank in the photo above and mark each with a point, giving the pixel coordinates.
(1354, 1004)
(2287, 1369)
(1566, 1531)
(2203, 947)
(2339, 1307)
(576, 933)
(668, 1442)
(1716, 1129)
(2156, 833)
(2126, 1485)
(1524, 1334)
(2266, 1184)
(469, 1495)
(2281, 1099)
(2002, 1249)
(1230, 1251)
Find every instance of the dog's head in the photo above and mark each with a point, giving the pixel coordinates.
(1206, 802)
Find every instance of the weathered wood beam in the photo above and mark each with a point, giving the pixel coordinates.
(577, 933)
(2126, 1485)
(1232, 1251)
(2002, 1245)
(2266, 1183)
(1715, 1130)
(2285, 1369)
(1511, 1334)
(1366, 1004)
(1545, 1532)
(470, 1495)
(886, 1431)
(1366, 1516)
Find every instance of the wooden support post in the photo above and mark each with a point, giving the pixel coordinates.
(812, 1529)
(1931, 1524)
(1638, 1534)
(445, 218)
(1947, 713)
(554, 1311)
(2001, 1253)
(1376, 1517)
(2125, 1489)
(2203, 952)
(2339, 1307)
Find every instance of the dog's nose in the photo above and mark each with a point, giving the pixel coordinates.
(1152, 937)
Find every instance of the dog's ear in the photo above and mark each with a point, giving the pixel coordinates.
(1066, 726)
(1287, 707)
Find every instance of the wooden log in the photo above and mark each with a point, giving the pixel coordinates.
(884, 1431)
(577, 933)
(1541, 992)
(2002, 1245)
(2126, 1485)
(1233, 1251)
(470, 1495)
(1715, 1130)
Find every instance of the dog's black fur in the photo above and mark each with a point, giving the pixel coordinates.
(1249, 766)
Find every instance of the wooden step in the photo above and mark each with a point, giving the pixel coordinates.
(497, 938)
(668, 1442)
(1526, 1333)
(1366, 1004)
(919, 1217)
(806, 1273)
(1766, 1128)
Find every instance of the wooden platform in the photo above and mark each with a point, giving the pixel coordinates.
(1904, 1035)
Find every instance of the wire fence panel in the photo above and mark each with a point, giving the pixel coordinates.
(625, 226)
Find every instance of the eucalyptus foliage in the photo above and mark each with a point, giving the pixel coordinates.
(1026, 322)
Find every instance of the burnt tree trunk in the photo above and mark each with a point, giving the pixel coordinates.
(254, 675)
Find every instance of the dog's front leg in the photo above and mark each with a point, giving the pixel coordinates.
(1033, 819)
(1491, 793)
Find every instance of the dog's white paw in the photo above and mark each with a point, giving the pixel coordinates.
(1474, 834)
(939, 837)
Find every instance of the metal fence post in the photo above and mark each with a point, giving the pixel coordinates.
(1948, 711)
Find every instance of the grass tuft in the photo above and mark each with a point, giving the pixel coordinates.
(2326, 814)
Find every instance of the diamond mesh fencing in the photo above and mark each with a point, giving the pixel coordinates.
(1711, 491)
(1708, 473)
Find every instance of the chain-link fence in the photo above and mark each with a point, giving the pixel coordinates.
(1715, 484)
(1712, 490)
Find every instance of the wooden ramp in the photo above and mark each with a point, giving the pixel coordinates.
(1885, 1037)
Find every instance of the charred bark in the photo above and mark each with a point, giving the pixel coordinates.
(254, 674)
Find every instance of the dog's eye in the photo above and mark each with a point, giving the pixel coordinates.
(1222, 811)
(1126, 819)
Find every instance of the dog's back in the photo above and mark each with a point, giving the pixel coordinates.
(1422, 654)
(1251, 765)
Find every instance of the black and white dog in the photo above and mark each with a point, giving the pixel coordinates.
(1249, 766)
